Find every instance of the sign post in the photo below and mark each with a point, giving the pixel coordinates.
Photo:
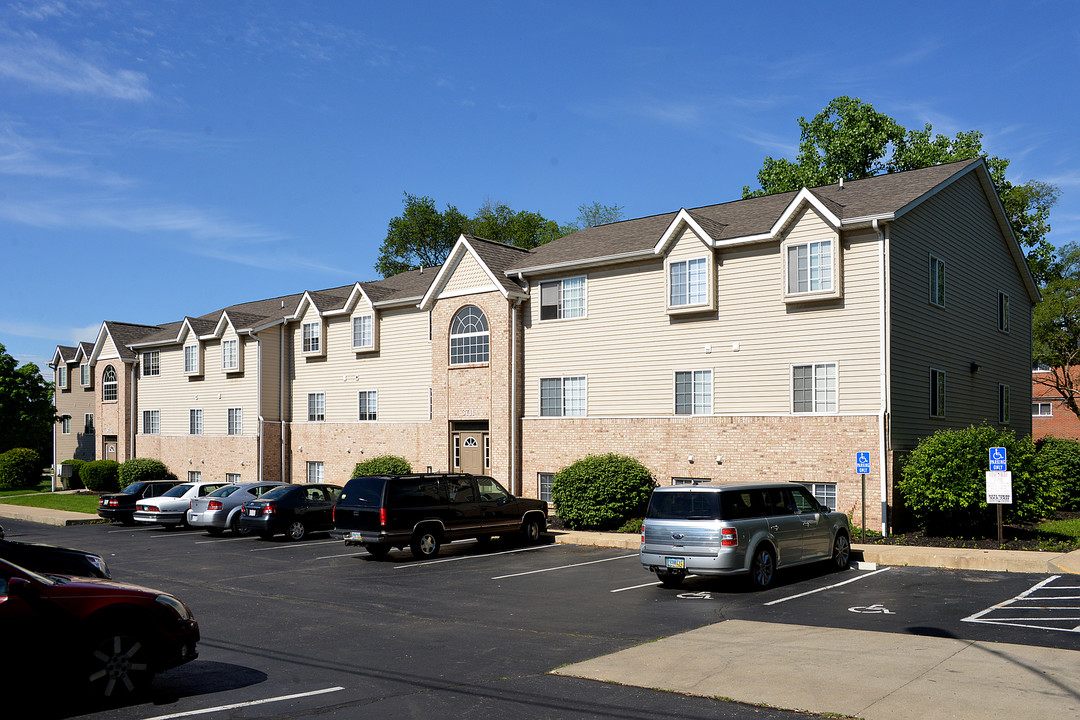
(862, 467)
(998, 484)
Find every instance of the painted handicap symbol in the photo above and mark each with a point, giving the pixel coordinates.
(875, 609)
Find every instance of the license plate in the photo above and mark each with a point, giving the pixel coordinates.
(194, 518)
(251, 513)
(354, 536)
(676, 563)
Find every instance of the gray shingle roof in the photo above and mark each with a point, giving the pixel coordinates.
(124, 334)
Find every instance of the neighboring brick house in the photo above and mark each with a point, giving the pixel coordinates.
(1049, 415)
(772, 337)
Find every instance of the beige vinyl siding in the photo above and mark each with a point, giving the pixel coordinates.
(108, 350)
(174, 393)
(400, 371)
(629, 348)
(688, 246)
(957, 226)
(467, 277)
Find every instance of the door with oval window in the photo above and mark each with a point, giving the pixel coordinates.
(469, 452)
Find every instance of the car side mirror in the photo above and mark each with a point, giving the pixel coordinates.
(19, 587)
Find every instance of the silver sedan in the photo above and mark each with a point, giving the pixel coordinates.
(220, 510)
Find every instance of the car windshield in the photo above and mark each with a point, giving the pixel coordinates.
(278, 493)
(177, 491)
(225, 491)
(133, 488)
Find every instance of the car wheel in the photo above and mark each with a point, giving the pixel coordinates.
(296, 530)
(117, 666)
(763, 567)
(531, 531)
(377, 550)
(425, 544)
(841, 552)
(670, 579)
(237, 528)
(215, 532)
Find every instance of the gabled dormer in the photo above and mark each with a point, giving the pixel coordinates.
(232, 345)
(312, 327)
(193, 349)
(689, 264)
(363, 321)
(810, 250)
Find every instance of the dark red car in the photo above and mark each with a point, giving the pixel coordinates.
(108, 637)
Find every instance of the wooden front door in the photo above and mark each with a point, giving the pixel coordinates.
(108, 447)
(470, 452)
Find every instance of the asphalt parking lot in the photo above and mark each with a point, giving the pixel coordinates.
(317, 629)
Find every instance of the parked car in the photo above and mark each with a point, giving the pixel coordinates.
(108, 638)
(295, 510)
(50, 559)
(170, 508)
(121, 506)
(422, 511)
(745, 529)
(220, 510)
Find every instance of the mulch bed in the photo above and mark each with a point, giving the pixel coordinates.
(1015, 537)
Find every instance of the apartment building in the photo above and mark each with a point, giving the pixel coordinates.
(773, 337)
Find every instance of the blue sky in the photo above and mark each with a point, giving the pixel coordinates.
(171, 158)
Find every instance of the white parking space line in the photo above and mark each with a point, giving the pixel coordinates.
(352, 554)
(172, 534)
(221, 708)
(563, 567)
(827, 587)
(1045, 616)
(221, 540)
(637, 587)
(471, 557)
(294, 546)
(129, 529)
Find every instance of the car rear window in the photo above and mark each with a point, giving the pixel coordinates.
(278, 493)
(684, 506)
(177, 491)
(133, 488)
(363, 492)
(225, 491)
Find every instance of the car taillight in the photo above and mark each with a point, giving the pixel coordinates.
(148, 508)
(269, 509)
(113, 503)
(643, 532)
(333, 514)
(214, 505)
(382, 517)
(101, 502)
(729, 537)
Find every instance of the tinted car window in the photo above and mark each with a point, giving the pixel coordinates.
(177, 491)
(410, 492)
(461, 490)
(685, 506)
(133, 488)
(739, 505)
(279, 493)
(778, 502)
(364, 492)
(804, 501)
(225, 491)
(491, 491)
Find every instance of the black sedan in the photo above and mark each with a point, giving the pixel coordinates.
(50, 559)
(121, 506)
(295, 510)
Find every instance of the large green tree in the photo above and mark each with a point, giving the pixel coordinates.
(26, 409)
(849, 139)
(1056, 330)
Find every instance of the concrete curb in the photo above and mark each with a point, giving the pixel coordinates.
(48, 516)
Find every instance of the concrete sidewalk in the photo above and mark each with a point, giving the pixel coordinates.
(48, 516)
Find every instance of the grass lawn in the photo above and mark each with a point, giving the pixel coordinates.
(1059, 534)
(42, 487)
(56, 501)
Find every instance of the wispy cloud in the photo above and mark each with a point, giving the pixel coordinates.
(771, 143)
(44, 65)
(24, 156)
(60, 334)
(40, 10)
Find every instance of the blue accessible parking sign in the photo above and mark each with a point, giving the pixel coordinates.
(862, 463)
(998, 459)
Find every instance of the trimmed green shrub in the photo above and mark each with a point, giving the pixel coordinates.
(101, 475)
(19, 468)
(943, 481)
(137, 469)
(601, 492)
(75, 481)
(383, 465)
(1063, 461)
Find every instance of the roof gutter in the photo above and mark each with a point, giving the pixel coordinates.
(585, 263)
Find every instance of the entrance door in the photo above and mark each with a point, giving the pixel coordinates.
(109, 447)
(469, 452)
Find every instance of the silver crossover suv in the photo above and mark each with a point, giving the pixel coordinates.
(729, 529)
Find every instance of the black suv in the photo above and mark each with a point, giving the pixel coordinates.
(422, 511)
(121, 506)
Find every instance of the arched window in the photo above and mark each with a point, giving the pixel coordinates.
(469, 336)
(108, 383)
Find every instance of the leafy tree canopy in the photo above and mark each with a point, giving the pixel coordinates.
(422, 236)
(1056, 330)
(26, 409)
(849, 139)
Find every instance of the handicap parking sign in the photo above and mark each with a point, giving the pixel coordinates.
(862, 463)
(998, 459)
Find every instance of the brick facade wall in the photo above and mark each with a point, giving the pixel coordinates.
(340, 446)
(211, 455)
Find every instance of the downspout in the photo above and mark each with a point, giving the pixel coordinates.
(55, 467)
(884, 348)
(515, 479)
(281, 397)
(133, 401)
(260, 441)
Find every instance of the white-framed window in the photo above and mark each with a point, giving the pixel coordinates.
(1003, 312)
(1042, 409)
(191, 359)
(457, 451)
(544, 481)
(84, 375)
(814, 388)
(937, 393)
(693, 392)
(315, 471)
(151, 363)
(61, 376)
(195, 421)
(1003, 403)
(688, 282)
(937, 281)
(469, 337)
(236, 421)
(363, 332)
(316, 407)
(430, 403)
(368, 405)
(151, 422)
(562, 299)
(563, 397)
(194, 476)
(810, 267)
(312, 332)
(233, 478)
(108, 384)
(487, 451)
(689, 480)
(230, 355)
(824, 493)
(88, 423)
(65, 424)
